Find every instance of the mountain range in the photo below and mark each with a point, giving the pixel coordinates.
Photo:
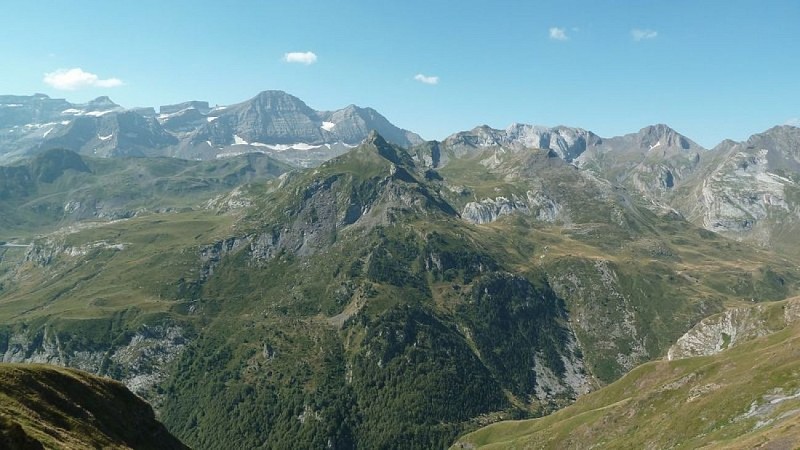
(395, 294)
(272, 122)
(746, 189)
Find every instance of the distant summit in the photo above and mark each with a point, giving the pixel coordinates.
(272, 122)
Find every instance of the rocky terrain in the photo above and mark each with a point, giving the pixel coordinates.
(744, 190)
(748, 190)
(734, 327)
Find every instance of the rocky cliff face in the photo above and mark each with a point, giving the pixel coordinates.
(748, 190)
(140, 361)
(568, 143)
(535, 204)
(735, 326)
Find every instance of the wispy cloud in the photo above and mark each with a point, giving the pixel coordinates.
(795, 122)
(558, 34)
(77, 78)
(639, 34)
(426, 79)
(300, 57)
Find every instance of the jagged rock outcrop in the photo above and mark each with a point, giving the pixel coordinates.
(489, 210)
(537, 204)
(735, 326)
(566, 142)
(140, 362)
(748, 190)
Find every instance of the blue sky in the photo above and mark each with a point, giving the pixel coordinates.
(710, 69)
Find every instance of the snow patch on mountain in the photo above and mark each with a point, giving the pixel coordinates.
(99, 113)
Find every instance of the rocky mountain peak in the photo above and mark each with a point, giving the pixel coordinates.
(350, 109)
(386, 150)
(373, 138)
(662, 135)
(279, 101)
(102, 102)
(784, 135)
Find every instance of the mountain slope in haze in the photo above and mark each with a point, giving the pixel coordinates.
(49, 407)
(375, 301)
(272, 122)
(746, 191)
(58, 187)
(651, 162)
(749, 190)
(746, 396)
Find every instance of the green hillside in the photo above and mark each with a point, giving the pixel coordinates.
(745, 397)
(59, 188)
(55, 408)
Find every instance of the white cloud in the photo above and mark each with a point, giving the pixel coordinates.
(640, 35)
(300, 57)
(426, 79)
(795, 122)
(558, 34)
(72, 79)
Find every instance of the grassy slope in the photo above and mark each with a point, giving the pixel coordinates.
(59, 193)
(743, 397)
(49, 407)
(101, 280)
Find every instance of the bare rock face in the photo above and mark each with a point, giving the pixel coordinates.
(140, 362)
(535, 204)
(566, 142)
(748, 190)
(735, 326)
(489, 210)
